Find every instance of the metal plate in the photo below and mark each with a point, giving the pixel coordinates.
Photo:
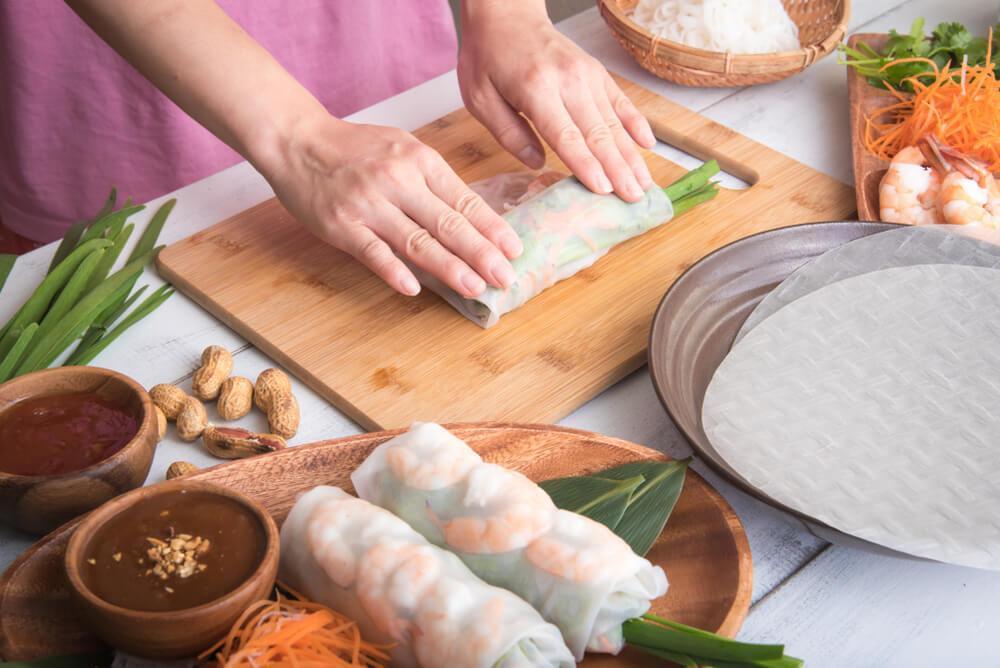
(697, 321)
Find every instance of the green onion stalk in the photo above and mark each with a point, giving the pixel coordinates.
(81, 302)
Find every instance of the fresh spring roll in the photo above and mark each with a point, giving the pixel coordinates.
(576, 572)
(368, 564)
(564, 228)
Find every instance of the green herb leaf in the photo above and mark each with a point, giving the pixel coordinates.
(38, 303)
(152, 232)
(700, 646)
(601, 499)
(86, 354)
(109, 259)
(650, 506)
(81, 316)
(6, 266)
(8, 363)
(68, 243)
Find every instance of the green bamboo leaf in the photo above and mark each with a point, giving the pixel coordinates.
(601, 499)
(38, 303)
(85, 355)
(650, 505)
(99, 659)
(17, 351)
(6, 265)
(108, 261)
(81, 316)
(152, 232)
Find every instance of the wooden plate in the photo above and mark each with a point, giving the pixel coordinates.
(703, 550)
(864, 99)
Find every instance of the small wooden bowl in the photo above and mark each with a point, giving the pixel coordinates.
(822, 25)
(38, 504)
(176, 634)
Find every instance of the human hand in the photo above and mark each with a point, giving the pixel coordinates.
(513, 61)
(371, 190)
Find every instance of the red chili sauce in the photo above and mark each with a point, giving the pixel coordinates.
(62, 433)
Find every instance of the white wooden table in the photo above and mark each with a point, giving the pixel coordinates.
(833, 606)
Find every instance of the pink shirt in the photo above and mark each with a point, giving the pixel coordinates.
(75, 118)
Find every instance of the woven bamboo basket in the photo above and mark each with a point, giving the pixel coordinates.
(822, 25)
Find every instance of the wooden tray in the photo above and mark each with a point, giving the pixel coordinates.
(387, 360)
(864, 99)
(703, 550)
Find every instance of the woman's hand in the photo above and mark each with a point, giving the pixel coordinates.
(371, 190)
(514, 62)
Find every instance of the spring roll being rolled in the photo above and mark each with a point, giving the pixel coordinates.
(368, 564)
(576, 572)
(565, 228)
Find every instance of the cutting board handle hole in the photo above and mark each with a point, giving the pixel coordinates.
(732, 175)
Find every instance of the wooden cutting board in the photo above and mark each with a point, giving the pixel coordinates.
(387, 360)
(865, 99)
(703, 550)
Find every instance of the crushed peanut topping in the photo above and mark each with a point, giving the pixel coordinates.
(91, 561)
(176, 557)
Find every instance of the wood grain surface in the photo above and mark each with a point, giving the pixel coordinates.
(703, 550)
(865, 99)
(387, 360)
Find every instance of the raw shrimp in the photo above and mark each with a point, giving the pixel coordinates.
(909, 190)
(514, 511)
(970, 194)
(579, 550)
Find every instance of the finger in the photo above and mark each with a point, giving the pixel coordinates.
(507, 126)
(626, 145)
(453, 191)
(365, 246)
(633, 121)
(454, 231)
(601, 141)
(419, 246)
(560, 131)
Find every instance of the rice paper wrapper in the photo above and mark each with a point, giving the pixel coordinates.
(564, 228)
(576, 572)
(368, 564)
(870, 405)
(904, 247)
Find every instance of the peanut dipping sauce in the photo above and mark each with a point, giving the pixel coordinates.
(173, 551)
(62, 433)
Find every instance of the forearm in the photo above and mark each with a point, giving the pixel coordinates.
(213, 70)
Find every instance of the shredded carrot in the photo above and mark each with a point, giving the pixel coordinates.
(294, 632)
(960, 106)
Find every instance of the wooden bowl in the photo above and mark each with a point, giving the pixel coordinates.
(38, 504)
(174, 634)
(822, 25)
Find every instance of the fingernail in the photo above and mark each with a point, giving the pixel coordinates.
(410, 286)
(503, 274)
(603, 184)
(473, 284)
(645, 178)
(511, 245)
(530, 156)
(633, 190)
(647, 136)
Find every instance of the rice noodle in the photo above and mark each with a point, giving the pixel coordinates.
(738, 26)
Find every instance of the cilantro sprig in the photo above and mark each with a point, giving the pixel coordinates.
(949, 43)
